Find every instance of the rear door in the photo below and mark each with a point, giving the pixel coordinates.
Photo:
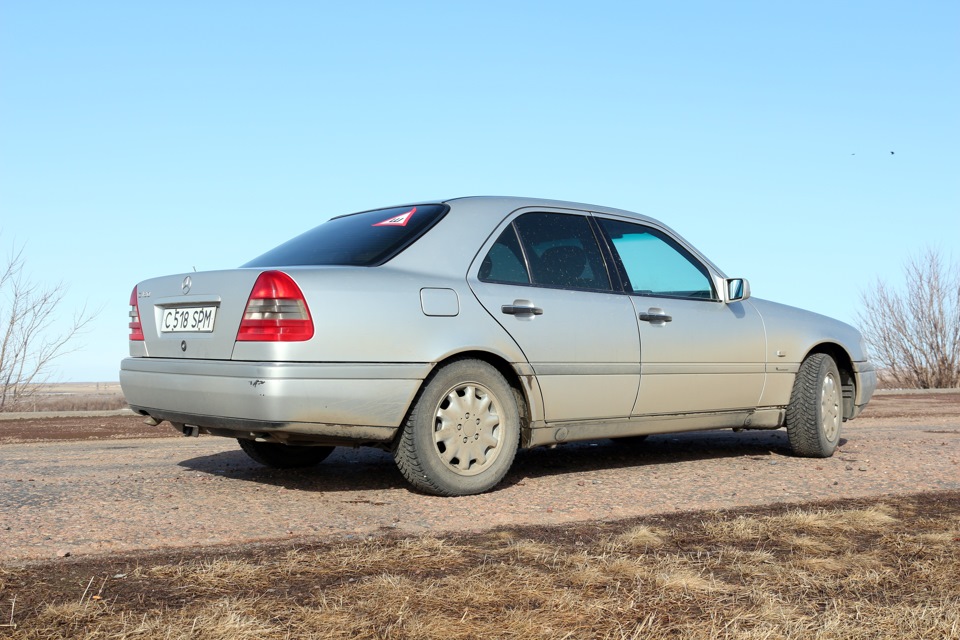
(543, 277)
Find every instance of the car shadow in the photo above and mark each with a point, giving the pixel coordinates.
(346, 469)
(659, 450)
(371, 469)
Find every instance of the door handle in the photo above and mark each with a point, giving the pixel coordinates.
(655, 315)
(521, 308)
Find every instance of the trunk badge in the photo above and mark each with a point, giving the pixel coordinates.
(185, 286)
(183, 345)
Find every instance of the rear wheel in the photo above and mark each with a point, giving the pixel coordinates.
(284, 456)
(815, 413)
(463, 432)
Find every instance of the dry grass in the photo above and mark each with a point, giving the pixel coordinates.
(72, 396)
(849, 570)
(103, 402)
(90, 402)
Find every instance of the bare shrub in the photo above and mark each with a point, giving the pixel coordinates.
(27, 347)
(914, 333)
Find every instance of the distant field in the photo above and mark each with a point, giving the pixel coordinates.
(78, 388)
(73, 396)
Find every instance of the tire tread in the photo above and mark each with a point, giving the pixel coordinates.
(803, 424)
(409, 463)
(407, 455)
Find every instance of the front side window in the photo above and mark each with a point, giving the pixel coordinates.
(360, 239)
(655, 264)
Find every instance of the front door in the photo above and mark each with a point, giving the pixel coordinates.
(698, 354)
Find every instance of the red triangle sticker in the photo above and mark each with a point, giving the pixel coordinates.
(397, 221)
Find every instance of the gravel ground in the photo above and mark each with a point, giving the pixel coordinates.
(82, 486)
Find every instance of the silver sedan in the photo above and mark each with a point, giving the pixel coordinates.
(452, 333)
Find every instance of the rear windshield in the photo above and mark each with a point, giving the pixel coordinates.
(361, 239)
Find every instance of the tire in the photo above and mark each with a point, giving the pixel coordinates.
(463, 431)
(815, 413)
(284, 456)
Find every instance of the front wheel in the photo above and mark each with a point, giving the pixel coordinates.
(815, 412)
(284, 456)
(463, 432)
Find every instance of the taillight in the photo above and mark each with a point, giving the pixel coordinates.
(276, 311)
(136, 329)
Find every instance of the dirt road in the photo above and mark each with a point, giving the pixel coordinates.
(105, 495)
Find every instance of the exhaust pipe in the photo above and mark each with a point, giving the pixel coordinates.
(188, 430)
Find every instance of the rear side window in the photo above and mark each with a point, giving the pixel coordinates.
(363, 239)
(560, 250)
(504, 263)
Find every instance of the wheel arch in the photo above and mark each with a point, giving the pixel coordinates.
(525, 387)
(847, 378)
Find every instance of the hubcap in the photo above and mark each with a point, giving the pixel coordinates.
(830, 408)
(467, 429)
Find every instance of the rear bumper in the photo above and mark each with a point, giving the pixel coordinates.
(302, 402)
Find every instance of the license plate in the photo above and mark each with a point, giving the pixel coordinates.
(188, 319)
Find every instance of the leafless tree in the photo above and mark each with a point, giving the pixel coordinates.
(914, 332)
(27, 346)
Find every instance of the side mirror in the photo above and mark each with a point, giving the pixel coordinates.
(737, 289)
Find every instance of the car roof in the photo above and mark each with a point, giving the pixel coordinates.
(475, 210)
(471, 218)
(512, 203)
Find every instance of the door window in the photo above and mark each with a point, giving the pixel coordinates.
(562, 251)
(558, 250)
(655, 264)
(504, 262)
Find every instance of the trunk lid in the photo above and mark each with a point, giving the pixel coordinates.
(194, 315)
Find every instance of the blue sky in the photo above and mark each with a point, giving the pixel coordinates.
(142, 139)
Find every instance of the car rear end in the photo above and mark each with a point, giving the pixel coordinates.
(275, 351)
